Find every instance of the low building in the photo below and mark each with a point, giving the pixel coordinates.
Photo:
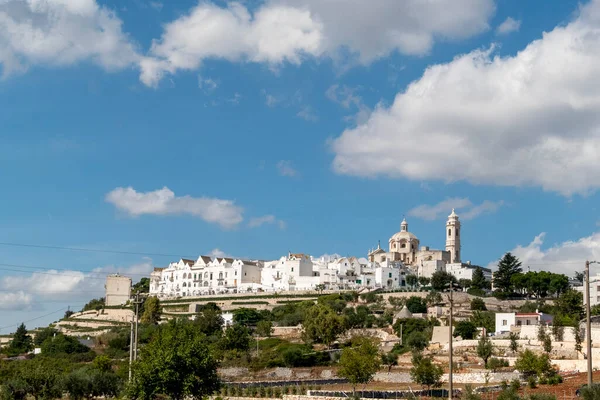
(466, 270)
(594, 290)
(505, 322)
(118, 290)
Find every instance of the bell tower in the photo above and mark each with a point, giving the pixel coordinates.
(453, 237)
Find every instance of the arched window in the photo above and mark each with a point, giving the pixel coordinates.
(184, 285)
(205, 283)
(205, 275)
(394, 246)
(449, 232)
(184, 275)
(220, 275)
(403, 245)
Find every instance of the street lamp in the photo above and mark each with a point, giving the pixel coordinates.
(588, 323)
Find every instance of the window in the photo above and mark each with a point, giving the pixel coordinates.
(403, 245)
(220, 275)
(527, 322)
(292, 269)
(518, 323)
(449, 232)
(211, 276)
(235, 273)
(390, 275)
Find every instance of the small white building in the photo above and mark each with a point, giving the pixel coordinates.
(118, 290)
(594, 290)
(466, 270)
(506, 321)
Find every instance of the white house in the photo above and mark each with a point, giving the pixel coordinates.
(594, 290)
(506, 321)
(466, 270)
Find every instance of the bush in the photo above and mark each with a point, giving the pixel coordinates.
(515, 384)
(496, 363)
(532, 382)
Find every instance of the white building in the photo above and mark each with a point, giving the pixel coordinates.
(466, 270)
(594, 290)
(506, 321)
(118, 290)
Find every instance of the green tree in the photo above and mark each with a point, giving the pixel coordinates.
(359, 363)
(102, 363)
(478, 281)
(417, 341)
(41, 378)
(433, 298)
(236, 337)
(94, 304)
(478, 304)
(152, 311)
(441, 279)
(485, 349)
(44, 334)
(531, 364)
(409, 325)
(514, 346)
(465, 329)
(209, 321)
(484, 319)
(21, 342)
(508, 266)
(62, 344)
(322, 325)
(68, 314)
(570, 303)
(246, 316)
(425, 372)
(411, 280)
(465, 283)
(176, 364)
(416, 305)
(143, 286)
(424, 281)
(578, 338)
(264, 328)
(389, 359)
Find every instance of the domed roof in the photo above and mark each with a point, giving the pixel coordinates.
(404, 233)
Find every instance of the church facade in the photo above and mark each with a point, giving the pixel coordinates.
(406, 248)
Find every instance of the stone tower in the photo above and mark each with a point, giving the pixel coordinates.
(453, 237)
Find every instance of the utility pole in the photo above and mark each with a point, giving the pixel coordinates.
(131, 349)
(588, 323)
(450, 343)
(137, 317)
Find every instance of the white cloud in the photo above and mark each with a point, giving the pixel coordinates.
(164, 202)
(15, 301)
(508, 26)
(266, 219)
(564, 258)
(307, 113)
(528, 120)
(59, 33)
(347, 98)
(285, 168)
(73, 286)
(207, 84)
(282, 31)
(217, 253)
(443, 208)
(157, 5)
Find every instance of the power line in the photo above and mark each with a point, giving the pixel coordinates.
(34, 319)
(39, 246)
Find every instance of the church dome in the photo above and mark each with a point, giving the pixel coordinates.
(404, 233)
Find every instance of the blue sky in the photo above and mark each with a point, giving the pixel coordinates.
(254, 128)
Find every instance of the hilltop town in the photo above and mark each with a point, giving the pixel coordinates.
(284, 324)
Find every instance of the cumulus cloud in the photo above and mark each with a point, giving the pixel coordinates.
(224, 213)
(66, 285)
(266, 219)
(61, 32)
(285, 168)
(287, 31)
(15, 301)
(218, 253)
(508, 26)
(463, 205)
(564, 258)
(528, 120)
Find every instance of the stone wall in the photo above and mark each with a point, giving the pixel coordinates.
(475, 377)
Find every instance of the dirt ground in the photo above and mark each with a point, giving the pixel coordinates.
(563, 391)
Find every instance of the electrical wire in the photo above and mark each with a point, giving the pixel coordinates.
(35, 319)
